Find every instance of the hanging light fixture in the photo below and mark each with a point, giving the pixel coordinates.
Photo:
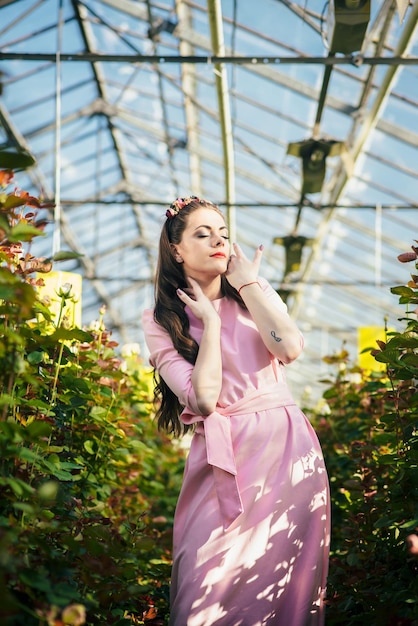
(313, 153)
(161, 26)
(293, 246)
(347, 24)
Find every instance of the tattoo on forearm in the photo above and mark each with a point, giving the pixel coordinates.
(275, 337)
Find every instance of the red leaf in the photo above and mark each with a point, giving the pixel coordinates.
(150, 614)
(6, 176)
(30, 200)
(406, 257)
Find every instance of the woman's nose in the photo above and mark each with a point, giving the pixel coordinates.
(219, 241)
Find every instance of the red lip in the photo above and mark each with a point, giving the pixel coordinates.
(219, 255)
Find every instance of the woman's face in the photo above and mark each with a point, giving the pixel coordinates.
(204, 246)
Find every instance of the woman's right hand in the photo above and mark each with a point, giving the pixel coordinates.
(196, 300)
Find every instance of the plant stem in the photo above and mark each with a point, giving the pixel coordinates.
(62, 306)
(57, 370)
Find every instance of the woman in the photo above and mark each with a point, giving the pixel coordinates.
(251, 530)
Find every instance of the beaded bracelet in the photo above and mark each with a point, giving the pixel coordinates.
(254, 282)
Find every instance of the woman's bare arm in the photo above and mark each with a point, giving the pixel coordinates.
(278, 331)
(207, 372)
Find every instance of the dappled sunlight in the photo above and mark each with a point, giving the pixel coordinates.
(270, 566)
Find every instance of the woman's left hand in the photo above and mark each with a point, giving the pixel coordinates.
(240, 269)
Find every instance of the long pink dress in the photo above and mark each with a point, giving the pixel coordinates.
(251, 530)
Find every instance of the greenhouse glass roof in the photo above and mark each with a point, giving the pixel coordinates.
(300, 119)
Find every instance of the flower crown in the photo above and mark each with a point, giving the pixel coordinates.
(178, 204)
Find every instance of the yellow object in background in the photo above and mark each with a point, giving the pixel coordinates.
(69, 284)
(367, 336)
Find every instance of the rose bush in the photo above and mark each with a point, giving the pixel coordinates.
(368, 427)
(87, 484)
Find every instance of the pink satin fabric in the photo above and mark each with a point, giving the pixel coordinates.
(251, 529)
(220, 454)
(251, 548)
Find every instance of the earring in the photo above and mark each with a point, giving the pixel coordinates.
(179, 259)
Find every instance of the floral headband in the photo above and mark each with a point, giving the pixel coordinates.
(178, 204)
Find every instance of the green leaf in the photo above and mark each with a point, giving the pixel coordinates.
(70, 465)
(34, 358)
(37, 403)
(330, 393)
(7, 292)
(65, 334)
(66, 255)
(16, 160)
(110, 473)
(90, 446)
(42, 309)
(384, 522)
(12, 202)
(388, 356)
(39, 429)
(6, 398)
(410, 359)
(8, 278)
(26, 454)
(106, 391)
(403, 341)
(36, 580)
(21, 294)
(402, 290)
(410, 524)
(98, 412)
(19, 487)
(24, 232)
(388, 458)
(74, 383)
(413, 400)
(24, 507)
(4, 224)
(77, 401)
(58, 473)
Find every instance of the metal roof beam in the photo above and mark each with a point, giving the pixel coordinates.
(369, 124)
(271, 74)
(88, 265)
(221, 81)
(130, 7)
(86, 32)
(250, 61)
(164, 117)
(191, 112)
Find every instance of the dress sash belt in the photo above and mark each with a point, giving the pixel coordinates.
(216, 428)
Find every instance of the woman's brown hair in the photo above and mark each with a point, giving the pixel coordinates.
(169, 310)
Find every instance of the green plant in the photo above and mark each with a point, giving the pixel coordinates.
(368, 427)
(87, 484)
